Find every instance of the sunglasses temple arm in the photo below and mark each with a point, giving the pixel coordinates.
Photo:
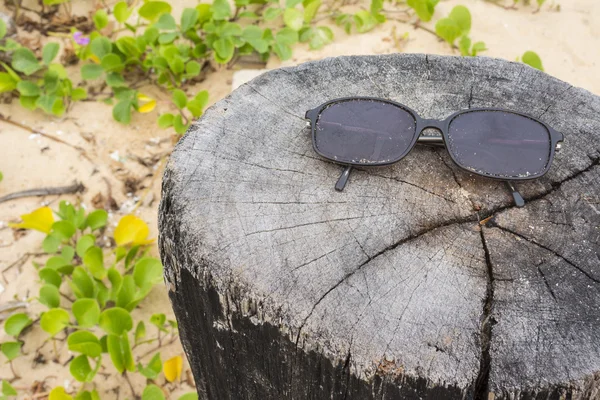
(519, 201)
(343, 179)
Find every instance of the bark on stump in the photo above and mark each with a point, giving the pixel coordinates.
(419, 280)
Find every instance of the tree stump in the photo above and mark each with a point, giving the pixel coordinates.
(419, 280)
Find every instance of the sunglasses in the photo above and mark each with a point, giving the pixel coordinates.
(491, 142)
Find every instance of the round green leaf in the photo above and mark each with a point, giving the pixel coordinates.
(154, 9)
(179, 126)
(84, 243)
(50, 276)
(122, 111)
(83, 286)
(165, 120)
(49, 296)
(54, 320)
(365, 21)
(100, 19)
(7, 82)
(23, 60)
(11, 350)
(51, 243)
(224, 49)
(179, 98)
(293, 18)
(192, 68)
(462, 17)
(166, 22)
(7, 389)
(59, 393)
(81, 369)
(189, 396)
(91, 71)
(221, 10)
(140, 331)
(447, 29)
(120, 352)
(84, 342)
(64, 229)
(93, 259)
(152, 370)
(15, 324)
(2, 28)
(121, 11)
(27, 88)
(533, 60)
(86, 312)
(97, 219)
(49, 52)
(153, 392)
(100, 46)
(111, 62)
(116, 320)
(271, 13)
(189, 17)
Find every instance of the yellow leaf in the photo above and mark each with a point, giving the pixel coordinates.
(132, 230)
(95, 59)
(146, 108)
(143, 97)
(40, 220)
(172, 368)
(58, 393)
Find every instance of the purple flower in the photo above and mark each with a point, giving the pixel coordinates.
(80, 39)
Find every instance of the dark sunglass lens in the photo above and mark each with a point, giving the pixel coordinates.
(364, 132)
(498, 143)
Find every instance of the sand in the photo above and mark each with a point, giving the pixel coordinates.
(567, 41)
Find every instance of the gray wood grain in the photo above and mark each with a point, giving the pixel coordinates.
(284, 288)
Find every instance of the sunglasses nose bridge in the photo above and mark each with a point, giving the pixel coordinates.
(432, 124)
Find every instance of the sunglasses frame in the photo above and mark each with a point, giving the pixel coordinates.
(441, 125)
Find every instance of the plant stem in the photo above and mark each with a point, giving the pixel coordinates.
(12, 369)
(130, 385)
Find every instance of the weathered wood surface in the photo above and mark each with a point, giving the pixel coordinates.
(286, 289)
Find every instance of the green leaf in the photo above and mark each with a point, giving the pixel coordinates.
(221, 10)
(96, 219)
(121, 11)
(7, 82)
(82, 285)
(150, 35)
(254, 36)
(195, 108)
(15, 324)
(462, 17)
(376, 6)
(204, 12)
(51, 243)
(179, 98)
(154, 9)
(165, 120)
(423, 8)
(68, 252)
(477, 48)
(271, 13)
(86, 312)
(120, 352)
(292, 3)
(80, 369)
(54, 320)
(64, 229)
(224, 49)
(166, 38)
(91, 71)
(84, 342)
(78, 94)
(50, 276)
(100, 19)
(152, 370)
(49, 296)
(319, 37)
(7, 389)
(286, 36)
(115, 321)
(283, 51)
(365, 21)
(159, 321)
(533, 60)
(2, 32)
(293, 18)
(49, 52)
(100, 46)
(464, 45)
(58, 393)
(11, 350)
(447, 29)
(153, 392)
(126, 293)
(122, 111)
(84, 243)
(28, 88)
(311, 7)
(230, 29)
(189, 17)
(192, 68)
(140, 331)
(166, 22)
(179, 126)
(23, 60)
(93, 259)
(112, 62)
(129, 46)
(189, 396)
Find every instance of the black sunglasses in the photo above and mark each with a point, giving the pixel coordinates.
(491, 142)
